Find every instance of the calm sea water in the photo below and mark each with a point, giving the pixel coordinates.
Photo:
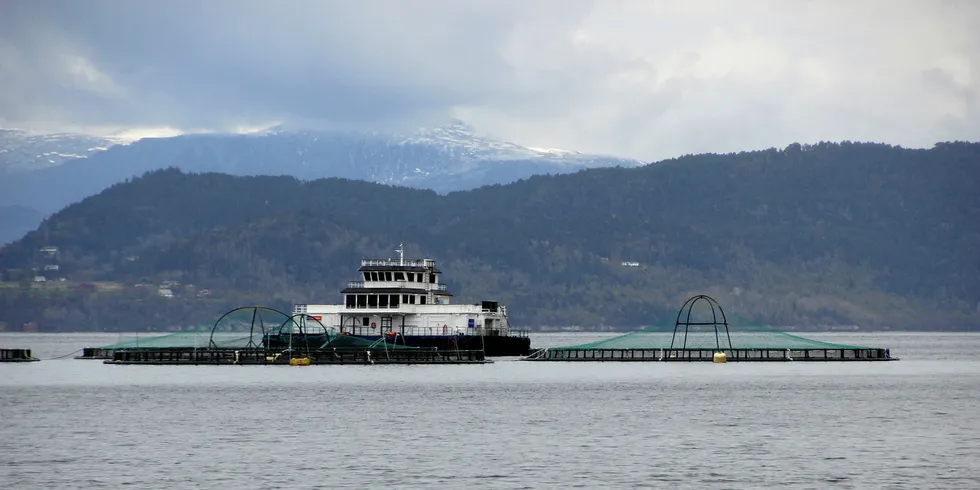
(82, 424)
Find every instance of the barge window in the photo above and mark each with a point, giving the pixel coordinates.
(366, 321)
(367, 276)
(351, 300)
(411, 276)
(388, 276)
(374, 276)
(372, 301)
(393, 301)
(362, 301)
(411, 299)
(383, 301)
(421, 300)
(432, 278)
(399, 276)
(405, 298)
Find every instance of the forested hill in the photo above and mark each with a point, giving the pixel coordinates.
(852, 233)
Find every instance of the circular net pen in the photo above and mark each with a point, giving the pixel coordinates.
(241, 328)
(303, 333)
(700, 332)
(191, 339)
(262, 335)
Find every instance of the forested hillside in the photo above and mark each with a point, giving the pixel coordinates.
(844, 234)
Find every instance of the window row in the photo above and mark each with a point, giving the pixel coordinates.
(399, 276)
(383, 300)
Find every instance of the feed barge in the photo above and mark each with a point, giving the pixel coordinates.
(407, 299)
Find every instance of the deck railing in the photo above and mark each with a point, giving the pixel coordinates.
(393, 263)
(428, 286)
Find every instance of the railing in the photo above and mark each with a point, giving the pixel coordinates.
(397, 284)
(389, 306)
(186, 356)
(393, 262)
(380, 332)
(732, 355)
(415, 330)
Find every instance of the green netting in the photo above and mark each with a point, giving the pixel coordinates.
(352, 342)
(258, 327)
(192, 339)
(741, 335)
(201, 340)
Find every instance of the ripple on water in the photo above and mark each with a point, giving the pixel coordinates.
(68, 424)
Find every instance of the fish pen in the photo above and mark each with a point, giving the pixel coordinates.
(191, 339)
(256, 335)
(327, 355)
(708, 335)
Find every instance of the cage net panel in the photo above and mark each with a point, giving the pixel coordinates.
(352, 342)
(743, 334)
(187, 339)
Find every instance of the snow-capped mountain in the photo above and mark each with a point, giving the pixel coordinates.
(461, 140)
(25, 151)
(449, 158)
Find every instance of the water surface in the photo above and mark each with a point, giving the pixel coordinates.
(82, 424)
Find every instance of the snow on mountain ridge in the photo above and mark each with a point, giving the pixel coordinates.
(453, 149)
(460, 139)
(24, 151)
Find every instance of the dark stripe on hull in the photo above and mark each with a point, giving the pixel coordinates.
(494, 345)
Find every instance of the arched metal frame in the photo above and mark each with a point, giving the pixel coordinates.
(302, 327)
(251, 330)
(716, 309)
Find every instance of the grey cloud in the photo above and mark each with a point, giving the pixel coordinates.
(638, 78)
(197, 63)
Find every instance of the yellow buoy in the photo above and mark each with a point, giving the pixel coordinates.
(299, 361)
(720, 357)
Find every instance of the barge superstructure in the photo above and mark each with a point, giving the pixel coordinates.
(405, 301)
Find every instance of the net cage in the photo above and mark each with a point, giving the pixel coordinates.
(258, 327)
(305, 332)
(702, 328)
(197, 338)
(240, 328)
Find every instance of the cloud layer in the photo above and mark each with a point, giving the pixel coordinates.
(645, 79)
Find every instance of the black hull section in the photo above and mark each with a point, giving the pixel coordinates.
(494, 346)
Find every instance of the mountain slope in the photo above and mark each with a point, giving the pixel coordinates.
(445, 159)
(15, 221)
(864, 234)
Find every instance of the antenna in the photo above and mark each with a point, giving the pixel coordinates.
(401, 254)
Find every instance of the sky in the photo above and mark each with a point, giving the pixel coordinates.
(644, 79)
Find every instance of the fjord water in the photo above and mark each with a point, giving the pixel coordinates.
(910, 424)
